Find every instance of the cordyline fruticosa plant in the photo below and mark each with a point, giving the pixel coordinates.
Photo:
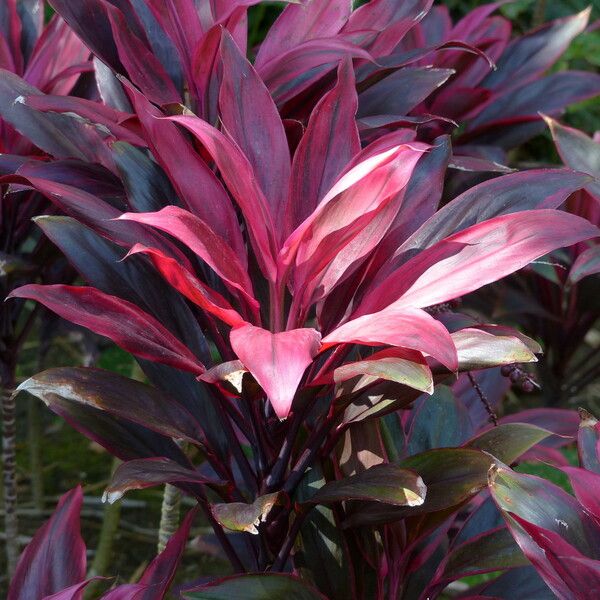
(51, 58)
(283, 287)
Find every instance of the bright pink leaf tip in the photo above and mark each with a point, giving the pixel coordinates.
(276, 360)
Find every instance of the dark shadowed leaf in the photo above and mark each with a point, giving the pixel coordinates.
(55, 558)
(264, 586)
(149, 472)
(120, 396)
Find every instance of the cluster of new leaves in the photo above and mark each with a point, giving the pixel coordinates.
(267, 239)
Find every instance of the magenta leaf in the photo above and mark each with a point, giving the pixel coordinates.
(55, 558)
(190, 286)
(159, 574)
(479, 255)
(193, 180)
(586, 486)
(251, 118)
(124, 323)
(332, 130)
(276, 360)
(241, 182)
(199, 237)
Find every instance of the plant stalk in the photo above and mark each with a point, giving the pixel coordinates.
(169, 515)
(11, 528)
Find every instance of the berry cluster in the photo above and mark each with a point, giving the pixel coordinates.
(525, 380)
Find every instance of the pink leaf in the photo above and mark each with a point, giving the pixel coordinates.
(241, 182)
(404, 327)
(276, 360)
(476, 256)
(194, 181)
(199, 237)
(190, 286)
(124, 323)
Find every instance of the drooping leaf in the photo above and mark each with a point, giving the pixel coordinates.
(508, 441)
(143, 473)
(124, 323)
(264, 586)
(55, 559)
(239, 516)
(478, 349)
(118, 395)
(401, 366)
(277, 360)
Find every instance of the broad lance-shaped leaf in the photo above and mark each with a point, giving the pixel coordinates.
(240, 179)
(55, 559)
(392, 364)
(149, 472)
(578, 151)
(587, 263)
(124, 323)
(240, 516)
(190, 286)
(276, 360)
(387, 483)
(588, 441)
(586, 486)
(263, 586)
(478, 349)
(532, 54)
(477, 256)
(200, 238)
(196, 184)
(547, 523)
(251, 118)
(120, 396)
(529, 190)
(508, 441)
(331, 140)
(400, 92)
(344, 228)
(299, 23)
(407, 327)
